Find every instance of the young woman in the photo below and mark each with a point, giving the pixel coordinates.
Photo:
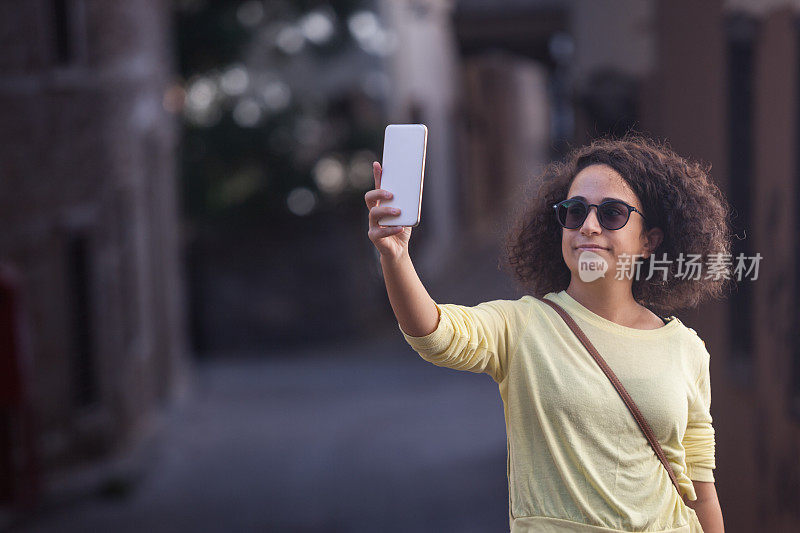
(577, 459)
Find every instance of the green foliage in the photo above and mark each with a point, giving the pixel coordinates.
(235, 174)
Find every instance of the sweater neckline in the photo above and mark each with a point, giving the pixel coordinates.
(575, 308)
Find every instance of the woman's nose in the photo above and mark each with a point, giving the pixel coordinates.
(591, 224)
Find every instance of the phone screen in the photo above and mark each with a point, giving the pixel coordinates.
(402, 172)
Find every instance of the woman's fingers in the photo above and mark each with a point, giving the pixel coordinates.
(374, 197)
(379, 212)
(379, 233)
(376, 172)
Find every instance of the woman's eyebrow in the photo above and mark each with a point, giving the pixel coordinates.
(603, 200)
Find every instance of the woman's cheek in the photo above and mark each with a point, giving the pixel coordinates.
(568, 257)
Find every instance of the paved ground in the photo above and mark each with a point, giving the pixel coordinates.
(348, 438)
(351, 438)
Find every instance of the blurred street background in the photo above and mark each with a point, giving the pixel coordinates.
(194, 330)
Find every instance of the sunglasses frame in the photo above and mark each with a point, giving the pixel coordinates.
(599, 217)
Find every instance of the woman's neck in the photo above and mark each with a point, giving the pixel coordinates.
(613, 301)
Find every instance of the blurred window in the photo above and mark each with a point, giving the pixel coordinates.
(79, 284)
(61, 32)
(66, 42)
(741, 31)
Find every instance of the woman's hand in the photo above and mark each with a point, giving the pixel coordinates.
(391, 241)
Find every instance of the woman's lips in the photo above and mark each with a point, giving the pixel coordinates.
(591, 248)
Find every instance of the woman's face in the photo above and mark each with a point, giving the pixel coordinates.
(596, 183)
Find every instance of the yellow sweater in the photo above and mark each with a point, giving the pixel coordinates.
(577, 460)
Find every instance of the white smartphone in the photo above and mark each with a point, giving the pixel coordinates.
(402, 172)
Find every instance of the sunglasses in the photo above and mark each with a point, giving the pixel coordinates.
(612, 214)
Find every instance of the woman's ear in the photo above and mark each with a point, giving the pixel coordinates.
(653, 239)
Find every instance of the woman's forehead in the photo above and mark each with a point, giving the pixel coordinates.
(596, 182)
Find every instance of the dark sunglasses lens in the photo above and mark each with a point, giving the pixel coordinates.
(614, 215)
(571, 213)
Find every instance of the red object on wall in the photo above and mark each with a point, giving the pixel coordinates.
(19, 479)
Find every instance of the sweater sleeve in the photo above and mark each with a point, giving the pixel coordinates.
(476, 339)
(698, 441)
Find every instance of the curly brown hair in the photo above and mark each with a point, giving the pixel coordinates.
(677, 196)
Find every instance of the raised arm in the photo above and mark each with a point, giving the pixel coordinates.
(476, 339)
(412, 305)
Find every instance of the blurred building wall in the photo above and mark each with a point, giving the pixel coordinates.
(504, 137)
(592, 23)
(512, 113)
(425, 77)
(615, 45)
(89, 215)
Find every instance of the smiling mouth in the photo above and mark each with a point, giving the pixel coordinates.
(590, 248)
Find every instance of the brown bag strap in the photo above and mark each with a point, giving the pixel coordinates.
(620, 389)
